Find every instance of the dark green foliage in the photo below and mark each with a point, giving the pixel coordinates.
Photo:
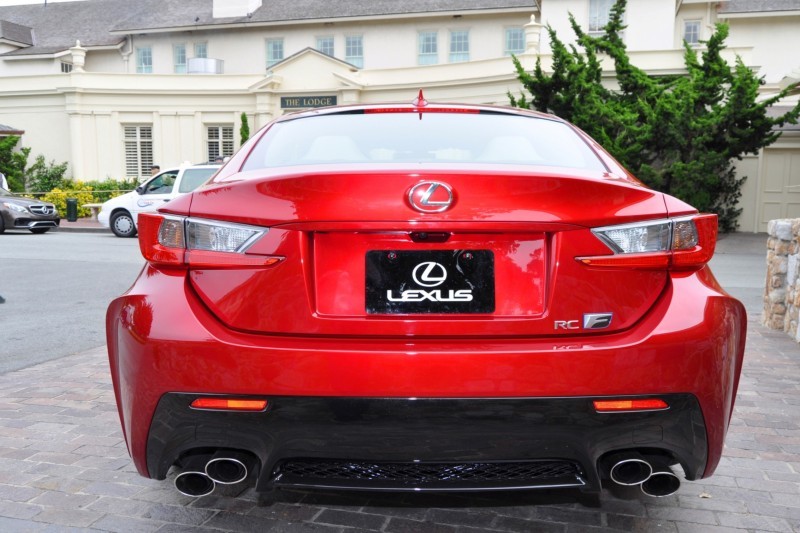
(13, 163)
(244, 131)
(107, 189)
(44, 176)
(678, 134)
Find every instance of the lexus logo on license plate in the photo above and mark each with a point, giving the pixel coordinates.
(429, 281)
(429, 274)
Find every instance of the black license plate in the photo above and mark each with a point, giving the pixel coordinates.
(432, 281)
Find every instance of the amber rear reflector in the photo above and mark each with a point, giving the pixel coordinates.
(230, 404)
(608, 406)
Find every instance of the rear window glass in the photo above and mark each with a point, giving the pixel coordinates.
(195, 177)
(427, 138)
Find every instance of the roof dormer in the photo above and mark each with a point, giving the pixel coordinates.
(15, 35)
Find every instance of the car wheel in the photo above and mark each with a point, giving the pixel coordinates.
(122, 224)
(39, 230)
(2, 224)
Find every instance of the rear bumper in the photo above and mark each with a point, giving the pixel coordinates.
(162, 340)
(427, 444)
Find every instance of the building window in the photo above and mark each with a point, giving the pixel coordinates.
(144, 60)
(274, 51)
(354, 50)
(515, 41)
(179, 58)
(219, 141)
(599, 11)
(459, 46)
(428, 47)
(138, 141)
(691, 32)
(66, 68)
(201, 50)
(325, 45)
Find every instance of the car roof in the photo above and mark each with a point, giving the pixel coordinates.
(412, 107)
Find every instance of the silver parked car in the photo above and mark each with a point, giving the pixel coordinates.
(26, 213)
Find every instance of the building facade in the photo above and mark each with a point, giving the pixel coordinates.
(113, 86)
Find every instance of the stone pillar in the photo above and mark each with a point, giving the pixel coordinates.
(782, 292)
(78, 57)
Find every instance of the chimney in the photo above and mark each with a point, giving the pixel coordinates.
(234, 8)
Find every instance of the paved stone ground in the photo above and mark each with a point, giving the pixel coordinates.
(63, 465)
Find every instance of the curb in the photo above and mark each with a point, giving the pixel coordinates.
(82, 229)
(82, 226)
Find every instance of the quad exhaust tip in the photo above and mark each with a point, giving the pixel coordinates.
(651, 474)
(229, 467)
(194, 484)
(663, 482)
(201, 473)
(630, 469)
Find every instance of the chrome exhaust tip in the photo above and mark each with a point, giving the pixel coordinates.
(663, 482)
(193, 481)
(229, 467)
(629, 469)
(194, 484)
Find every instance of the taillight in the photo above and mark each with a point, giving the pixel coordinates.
(184, 241)
(684, 243)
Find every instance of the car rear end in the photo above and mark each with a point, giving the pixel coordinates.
(425, 298)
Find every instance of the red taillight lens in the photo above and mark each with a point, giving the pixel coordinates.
(229, 404)
(622, 405)
(685, 243)
(179, 241)
(694, 255)
(152, 250)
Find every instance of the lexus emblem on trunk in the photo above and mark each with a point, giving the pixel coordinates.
(430, 197)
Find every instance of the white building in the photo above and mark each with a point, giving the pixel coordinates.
(112, 86)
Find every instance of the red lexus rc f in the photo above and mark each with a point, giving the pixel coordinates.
(425, 297)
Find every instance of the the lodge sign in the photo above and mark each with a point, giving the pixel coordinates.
(299, 102)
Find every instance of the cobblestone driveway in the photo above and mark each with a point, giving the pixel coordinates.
(63, 465)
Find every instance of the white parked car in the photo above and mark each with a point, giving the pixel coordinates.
(121, 213)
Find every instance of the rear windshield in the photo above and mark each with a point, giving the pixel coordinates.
(372, 138)
(195, 177)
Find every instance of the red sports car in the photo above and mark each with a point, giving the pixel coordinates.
(425, 297)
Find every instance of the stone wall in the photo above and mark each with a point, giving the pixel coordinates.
(782, 294)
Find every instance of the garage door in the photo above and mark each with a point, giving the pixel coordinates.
(780, 185)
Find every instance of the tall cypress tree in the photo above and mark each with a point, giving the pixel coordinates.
(244, 130)
(678, 134)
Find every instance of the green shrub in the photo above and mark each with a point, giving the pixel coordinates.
(108, 189)
(79, 191)
(86, 192)
(43, 176)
